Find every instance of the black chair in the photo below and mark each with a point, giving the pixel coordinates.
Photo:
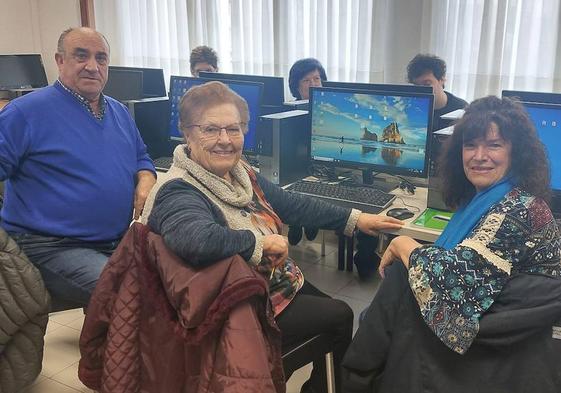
(318, 349)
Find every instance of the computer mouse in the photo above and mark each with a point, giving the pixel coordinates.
(401, 213)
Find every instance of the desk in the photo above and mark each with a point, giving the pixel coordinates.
(419, 200)
(403, 199)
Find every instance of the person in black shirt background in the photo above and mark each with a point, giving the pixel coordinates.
(430, 70)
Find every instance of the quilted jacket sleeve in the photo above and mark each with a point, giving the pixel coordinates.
(24, 313)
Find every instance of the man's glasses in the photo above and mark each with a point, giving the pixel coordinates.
(210, 131)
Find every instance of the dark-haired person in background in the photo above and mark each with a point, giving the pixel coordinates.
(474, 311)
(203, 59)
(304, 73)
(430, 70)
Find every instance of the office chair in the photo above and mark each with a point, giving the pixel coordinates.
(312, 350)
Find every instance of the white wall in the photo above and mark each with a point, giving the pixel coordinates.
(33, 26)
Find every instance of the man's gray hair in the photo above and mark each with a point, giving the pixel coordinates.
(60, 43)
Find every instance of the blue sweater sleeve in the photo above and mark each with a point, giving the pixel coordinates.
(14, 140)
(144, 162)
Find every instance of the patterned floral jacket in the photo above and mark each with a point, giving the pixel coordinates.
(455, 288)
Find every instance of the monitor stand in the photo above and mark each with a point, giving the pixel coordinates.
(368, 179)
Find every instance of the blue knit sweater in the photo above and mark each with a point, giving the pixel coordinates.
(68, 174)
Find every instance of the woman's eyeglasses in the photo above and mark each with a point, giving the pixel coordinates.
(213, 131)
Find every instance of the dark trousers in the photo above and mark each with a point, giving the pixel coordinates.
(312, 312)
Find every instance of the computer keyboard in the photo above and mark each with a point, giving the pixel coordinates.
(163, 163)
(367, 199)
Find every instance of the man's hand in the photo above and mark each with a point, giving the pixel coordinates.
(401, 248)
(275, 248)
(145, 182)
(372, 223)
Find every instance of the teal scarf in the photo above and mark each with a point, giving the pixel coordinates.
(464, 219)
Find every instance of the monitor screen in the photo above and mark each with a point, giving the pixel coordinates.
(22, 72)
(408, 88)
(533, 96)
(153, 84)
(273, 86)
(251, 92)
(381, 131)
(124, 85)
(547, 120)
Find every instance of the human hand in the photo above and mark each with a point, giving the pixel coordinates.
(275, 248)
(145, 182)
(372, 223)
(401, 248)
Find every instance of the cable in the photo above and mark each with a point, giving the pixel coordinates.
(417, 208)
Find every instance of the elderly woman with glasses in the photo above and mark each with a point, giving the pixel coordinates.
(211, 205)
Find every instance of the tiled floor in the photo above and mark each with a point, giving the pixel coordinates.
(60, 362)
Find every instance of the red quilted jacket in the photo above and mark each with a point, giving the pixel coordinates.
(154, 324)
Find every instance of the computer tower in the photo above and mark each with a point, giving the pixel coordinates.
(151, 116)
(283, 146)
(435, 199)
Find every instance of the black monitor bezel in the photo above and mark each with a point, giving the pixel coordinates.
(146, 72)
(42, 77)
(533, 97)
(247, 151)
(406, 88)
(375, 167)
(273, 83)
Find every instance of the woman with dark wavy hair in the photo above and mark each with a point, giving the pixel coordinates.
(489, 289)
(529, 166)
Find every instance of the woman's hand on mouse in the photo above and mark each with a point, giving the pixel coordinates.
(401, 248)
(372, 223)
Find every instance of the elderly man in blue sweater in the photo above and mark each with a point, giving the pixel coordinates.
(75, 169)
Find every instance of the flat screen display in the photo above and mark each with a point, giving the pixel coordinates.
(273, 86)
(153, 84)
(251, 92)
(381, 131)
(124, 85)
(547, 120)
(22, 72)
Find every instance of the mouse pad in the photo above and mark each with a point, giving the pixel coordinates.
(433, 219)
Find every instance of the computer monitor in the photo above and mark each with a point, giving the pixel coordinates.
(386, 132)
(273, 86)
(547, 120)
(124, 85)
(405, 88)
(22, 72)
(533, 96)
(153, 84)
(251, 92)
